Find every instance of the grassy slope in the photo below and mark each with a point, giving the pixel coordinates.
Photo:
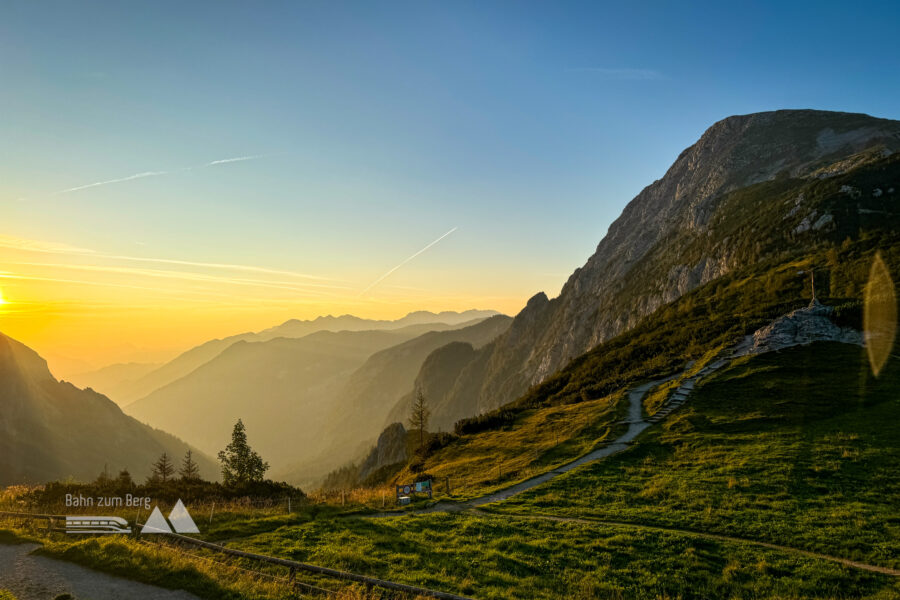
(695, 327)
(538, 440)
(798, 448)
(491, 557)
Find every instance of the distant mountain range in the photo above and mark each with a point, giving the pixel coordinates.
(360, 407)
(130, 382)
(300, 396)
(52, 430)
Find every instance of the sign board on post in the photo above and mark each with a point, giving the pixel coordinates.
(405, 492)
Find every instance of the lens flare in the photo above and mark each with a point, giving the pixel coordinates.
(879, 315)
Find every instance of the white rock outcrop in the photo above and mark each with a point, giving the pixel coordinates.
(800, 327)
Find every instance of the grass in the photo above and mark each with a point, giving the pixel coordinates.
(205, 574)
(799, 448)
(498, 556)
(538, 441)
(6, 595)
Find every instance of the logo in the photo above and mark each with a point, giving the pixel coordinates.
(180, 519)
(85, 524)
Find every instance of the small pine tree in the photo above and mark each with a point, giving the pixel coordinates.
(163, 468)
(124, 480)
(240, 464)
(189, 470)
(418, 417)
(103, 479)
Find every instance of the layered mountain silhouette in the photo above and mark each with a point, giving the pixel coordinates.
(51, 430)
(361, 405)
(115, 380)
(127, 383)
(292, 393)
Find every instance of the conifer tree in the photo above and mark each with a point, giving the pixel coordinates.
(418, 418)
(189, 470)
(163, 468)
(240, 464)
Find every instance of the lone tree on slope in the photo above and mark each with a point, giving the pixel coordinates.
(189, 470)
(418, 417)
(240, 464)
(163, 468)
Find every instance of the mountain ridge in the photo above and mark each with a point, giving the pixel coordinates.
(658, 230)
(125, 391)
(51, 430)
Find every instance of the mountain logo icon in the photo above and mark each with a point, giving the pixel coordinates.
(180, 519)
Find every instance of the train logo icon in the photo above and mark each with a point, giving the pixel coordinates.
(87, 524)
(180, 519)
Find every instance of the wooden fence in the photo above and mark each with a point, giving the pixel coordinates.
(291, 565)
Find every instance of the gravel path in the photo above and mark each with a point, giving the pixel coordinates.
(636, 424)
(31, 577)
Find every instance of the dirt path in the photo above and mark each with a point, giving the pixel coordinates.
(636, 424)
(31, 577)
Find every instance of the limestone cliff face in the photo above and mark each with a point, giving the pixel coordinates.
(390, 450)
(644, 260)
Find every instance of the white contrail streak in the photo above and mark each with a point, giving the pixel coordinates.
(231, 160)
(213, 163)
(108, 181)
(386, 275)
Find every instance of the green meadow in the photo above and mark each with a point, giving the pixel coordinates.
(799, 447)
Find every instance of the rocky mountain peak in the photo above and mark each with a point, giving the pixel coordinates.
(645, 261)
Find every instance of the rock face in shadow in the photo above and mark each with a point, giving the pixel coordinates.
(667, 240)
(51, 430)
(390, 450)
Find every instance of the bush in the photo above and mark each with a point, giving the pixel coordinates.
(435, 442)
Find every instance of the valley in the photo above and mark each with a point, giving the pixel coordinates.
(709, 408)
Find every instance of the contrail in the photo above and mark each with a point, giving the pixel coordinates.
(213, 163)
(108, 181)
(231, 160)
(383, 277)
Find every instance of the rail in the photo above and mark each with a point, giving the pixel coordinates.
(295, 566)
(292, 565)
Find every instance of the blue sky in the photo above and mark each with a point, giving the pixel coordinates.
(527, 125)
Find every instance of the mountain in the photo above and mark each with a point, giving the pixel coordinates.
(753, 187)
(439, 379)
(360, 406)
(127, 392)
(297, 328)
(112, 381)
(283, 389)
(51, 430)
(374, 389)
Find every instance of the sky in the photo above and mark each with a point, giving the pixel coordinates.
(173, 172)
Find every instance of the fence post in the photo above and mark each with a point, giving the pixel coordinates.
(289, 505)
(211, 510)
(448, 485)
(383, 499)
(342, 497)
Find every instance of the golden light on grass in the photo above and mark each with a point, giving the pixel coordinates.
(879, 315)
